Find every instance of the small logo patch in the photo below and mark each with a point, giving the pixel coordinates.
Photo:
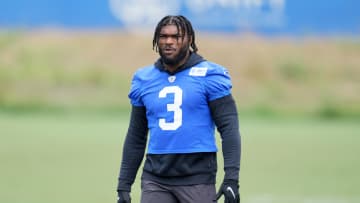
(172, 78)
(231, 191)
(198, 71)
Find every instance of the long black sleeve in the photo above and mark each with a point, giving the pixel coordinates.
(134, 148)
(224, 113)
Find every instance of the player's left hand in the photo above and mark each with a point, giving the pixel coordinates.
(124, 197)
(230, 190)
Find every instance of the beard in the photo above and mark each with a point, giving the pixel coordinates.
(177, 59)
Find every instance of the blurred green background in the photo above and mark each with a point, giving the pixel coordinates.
(64, 113)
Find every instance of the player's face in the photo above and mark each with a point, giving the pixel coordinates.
(173, 48)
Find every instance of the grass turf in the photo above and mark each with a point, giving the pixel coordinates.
(75, 158)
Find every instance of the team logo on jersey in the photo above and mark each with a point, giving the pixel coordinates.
(198, 71)
(172, 78)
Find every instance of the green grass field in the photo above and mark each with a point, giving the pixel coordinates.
(75, 158)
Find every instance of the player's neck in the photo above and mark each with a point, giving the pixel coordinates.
(172, 68)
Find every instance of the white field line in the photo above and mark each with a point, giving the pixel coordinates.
(300, 199)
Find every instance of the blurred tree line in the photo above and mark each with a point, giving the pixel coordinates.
(91, 71)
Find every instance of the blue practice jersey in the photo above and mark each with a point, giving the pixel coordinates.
(179, 118)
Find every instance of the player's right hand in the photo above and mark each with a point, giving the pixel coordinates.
(124, 197)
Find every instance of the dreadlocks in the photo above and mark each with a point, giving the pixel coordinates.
(182, 25)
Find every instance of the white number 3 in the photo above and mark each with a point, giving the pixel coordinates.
(174, 107)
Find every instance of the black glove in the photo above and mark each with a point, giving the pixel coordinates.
(124, 197)
(230, 190)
